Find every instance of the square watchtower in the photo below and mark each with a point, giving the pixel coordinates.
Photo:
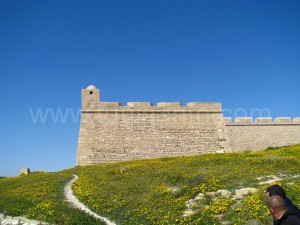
(89, 96)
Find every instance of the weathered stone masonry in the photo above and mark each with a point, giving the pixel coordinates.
(110, 132)
(263, 133)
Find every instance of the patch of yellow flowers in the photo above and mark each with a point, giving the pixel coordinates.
(157, 191)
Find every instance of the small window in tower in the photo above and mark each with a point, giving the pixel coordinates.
(91, 92)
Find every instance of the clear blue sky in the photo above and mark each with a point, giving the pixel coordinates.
(242, 53)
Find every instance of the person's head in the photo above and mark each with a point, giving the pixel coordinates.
(276, 206)
(275, 190)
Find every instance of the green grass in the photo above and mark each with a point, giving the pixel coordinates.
(40, 196)
(155, 191)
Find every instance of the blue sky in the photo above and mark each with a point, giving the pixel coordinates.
(242, 53)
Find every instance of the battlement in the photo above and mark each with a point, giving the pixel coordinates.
(91, 103)
(111, 132)
(149, 107)
(169, 105)
(261, 121)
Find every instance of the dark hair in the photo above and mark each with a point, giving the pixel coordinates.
(276, 190)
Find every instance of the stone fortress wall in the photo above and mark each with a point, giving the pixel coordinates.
(244, 134)
(110, 132)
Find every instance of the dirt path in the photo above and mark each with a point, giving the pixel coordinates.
(77, 204)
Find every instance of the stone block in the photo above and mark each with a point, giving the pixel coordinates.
(204, 106)
(283, 120)
(263, 120)
(169, 105)
(243, 120)
(296, 120)
(24, 171)
(227, 120)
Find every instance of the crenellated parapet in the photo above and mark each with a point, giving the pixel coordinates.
(91, 103)
(263, 132)
(150, 107)
(241, 121)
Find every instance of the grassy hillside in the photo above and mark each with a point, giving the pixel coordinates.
(173, 190)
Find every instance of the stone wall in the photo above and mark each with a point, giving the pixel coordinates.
(244, 134)
(110, 132)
